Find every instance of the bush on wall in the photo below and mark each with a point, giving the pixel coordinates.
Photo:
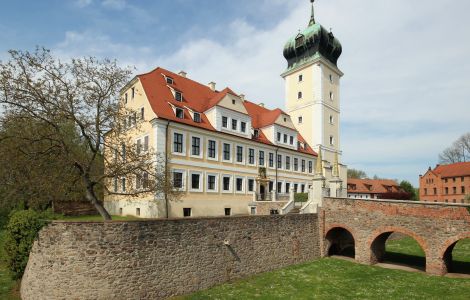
(21, 231)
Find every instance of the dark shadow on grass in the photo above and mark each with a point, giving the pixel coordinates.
(405, 260)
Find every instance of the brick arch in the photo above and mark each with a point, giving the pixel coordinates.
(451, 241)
(330, 228)
(380, 249)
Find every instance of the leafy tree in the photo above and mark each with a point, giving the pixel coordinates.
(410, 189)
(459, 151)
(83, 93)
(356, 174)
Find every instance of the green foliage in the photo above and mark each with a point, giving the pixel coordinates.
(301, 197)
(409, 188)
(356, 174)
(21, 231)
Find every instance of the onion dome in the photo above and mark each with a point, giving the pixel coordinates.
(311, 43)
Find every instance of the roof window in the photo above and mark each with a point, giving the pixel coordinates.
(178, 96)
(179, 113)
(197, 117)
(169, 80)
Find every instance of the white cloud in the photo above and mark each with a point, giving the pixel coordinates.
(114, 4)
(83, 3)
(405, 91)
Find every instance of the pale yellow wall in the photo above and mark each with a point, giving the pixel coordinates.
(238, 106)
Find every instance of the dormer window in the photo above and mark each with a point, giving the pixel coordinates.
(285, 138)
(256, 133)
(234, 124)
(233, 101)
(292, 140)
(278, 136)
(197, 117)
(178, 96)
(224, 122)
(179, 113)
(305, 146)
(243, 127)
(299, 41)
(169, 80)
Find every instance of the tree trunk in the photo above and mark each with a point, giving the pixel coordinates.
(90, 195)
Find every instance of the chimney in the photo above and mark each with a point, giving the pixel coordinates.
(261, 104)
(211, 85)
(242, 96)
(182, 74)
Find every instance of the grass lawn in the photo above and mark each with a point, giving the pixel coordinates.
(338, 279)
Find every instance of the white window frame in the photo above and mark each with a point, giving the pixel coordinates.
(173, 171)
(201, 146)
(265, 157)
(243, 185)
(231, 152)
(248, 157)
(216, 158)
(236, 155)
(216, 190)
(201, 181)
(274, 160)
(248, 184)
(230, 190)
(173, 143)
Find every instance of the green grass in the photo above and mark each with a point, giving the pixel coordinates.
(7, 285)
(337, 279)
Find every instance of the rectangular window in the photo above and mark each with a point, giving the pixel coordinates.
(137, 211)
(234, 124)
(211, 182)
(291, 140)
(279, 161)
(227, 152)
(224, 122)
(123, 152)
(303, 165)
(310, 167)
(226, 183)
(125, 98)
(211, 149)
(133, 92)
(285, 138)
(251, 156)
(279, 187)
(169, 80)
(146, 144)
(228, 211)
(251, 185)
(239, 184)
(261, 158)
(271, 160)
(243, 127)
(435, 191)
(278, 136)
(239, 154)
(302, 188)
(138, 181)
(463, 190)
(178, 143)
(139, 146)
(145, 180)
(296, 164)
(253, 211)
(256, 133)
(197, 117)
(195, 181)
(142, 113)
(186, 212)
(296, 187)
(287, 187)
(287, 163)
(179, 113)
(123, 184)
(300, 120)
(178, 96)
(454, 190)
(271, 186)
(447, 191)
(177, 180)
(196, 146)
(115, 184)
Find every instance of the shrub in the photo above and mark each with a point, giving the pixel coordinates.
(21, 231)
(301, 197)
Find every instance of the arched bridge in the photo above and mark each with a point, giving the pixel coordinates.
(360, 228)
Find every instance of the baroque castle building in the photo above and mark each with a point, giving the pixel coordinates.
(231, 156)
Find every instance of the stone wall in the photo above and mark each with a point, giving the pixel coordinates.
(264, 208)
(162, 258)
(435, 226)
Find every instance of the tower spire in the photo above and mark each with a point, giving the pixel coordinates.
(312, 18)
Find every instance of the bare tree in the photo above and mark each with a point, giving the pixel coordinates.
(458, 152)
(83, 92)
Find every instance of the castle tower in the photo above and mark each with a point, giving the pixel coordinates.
(312, 81)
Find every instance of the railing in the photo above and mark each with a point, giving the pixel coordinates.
(288, 207)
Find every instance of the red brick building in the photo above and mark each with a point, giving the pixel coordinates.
(375, 189)
(446, 183)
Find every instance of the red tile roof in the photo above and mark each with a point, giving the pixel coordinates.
(200, 98)
(453, 170)
(377, 186)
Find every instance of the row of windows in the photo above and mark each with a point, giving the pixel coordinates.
(254, 157)
(141, 182)
(126, 97)
(286, 139)
(228, 183)
(301, 78)
(446, 190)
(131, 120)
(142, 145)
(234, 124)
(454, 179)
(300, 96)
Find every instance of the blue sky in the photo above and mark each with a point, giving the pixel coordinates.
(405, 93)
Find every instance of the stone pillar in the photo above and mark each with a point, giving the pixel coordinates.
(291, 194)
(273, 195)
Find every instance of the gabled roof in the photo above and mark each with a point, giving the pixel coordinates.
(200, 98)
(377, 186)
(453, 170)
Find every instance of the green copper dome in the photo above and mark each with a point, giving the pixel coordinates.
(311, 43)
